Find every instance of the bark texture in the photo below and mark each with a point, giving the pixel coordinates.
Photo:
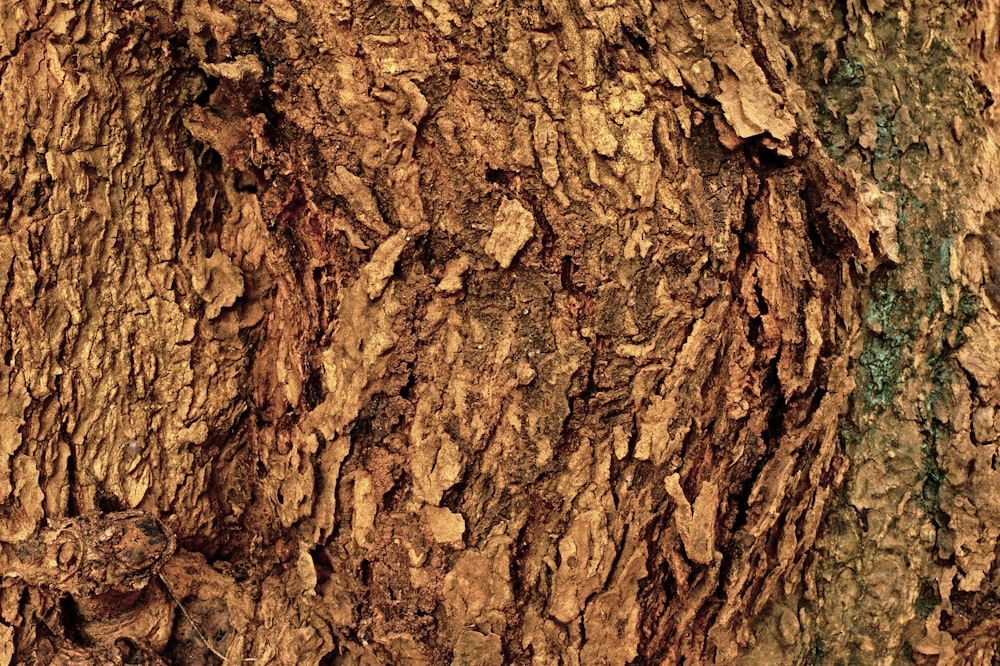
(456, 332)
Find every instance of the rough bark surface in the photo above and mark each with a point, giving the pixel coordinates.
(459, 332)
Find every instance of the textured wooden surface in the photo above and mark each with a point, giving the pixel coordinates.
(444, 332)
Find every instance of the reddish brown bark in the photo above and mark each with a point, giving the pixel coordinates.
(487, 333)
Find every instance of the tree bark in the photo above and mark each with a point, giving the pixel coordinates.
(451, 332)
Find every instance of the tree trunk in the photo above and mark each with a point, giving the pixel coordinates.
(460, 332)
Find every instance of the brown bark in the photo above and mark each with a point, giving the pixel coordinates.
(452, 332)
